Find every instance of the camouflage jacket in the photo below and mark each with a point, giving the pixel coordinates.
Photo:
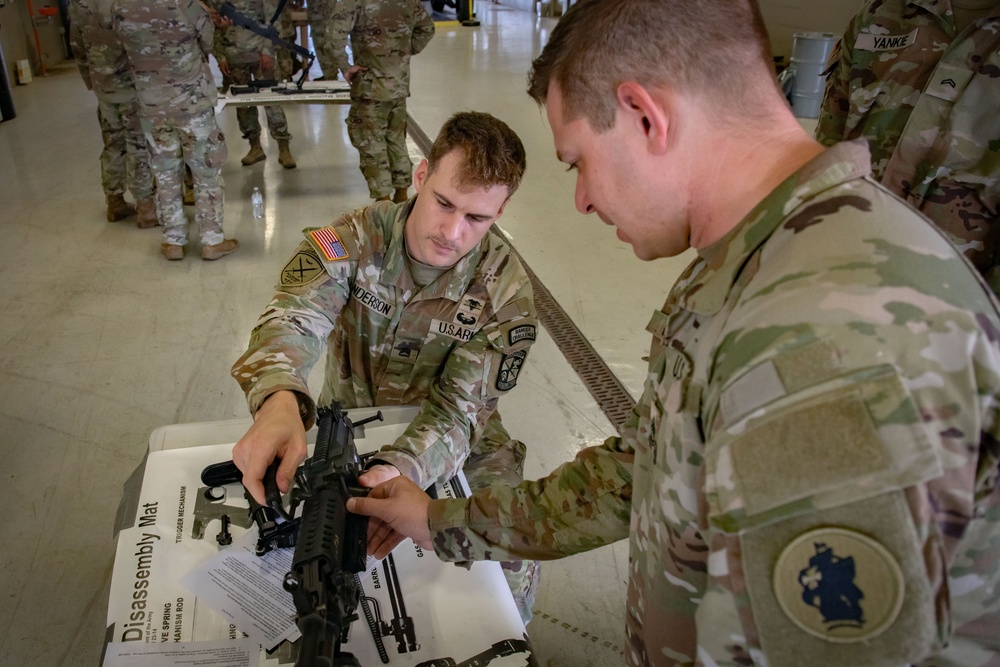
(812, 469)
(926, 99)
(383, 34)
(168, 45)
(98, 52)
(240, 45)
(453, 347)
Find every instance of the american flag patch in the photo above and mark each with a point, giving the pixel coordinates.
(328, 241)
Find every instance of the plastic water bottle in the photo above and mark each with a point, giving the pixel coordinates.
(257, 200)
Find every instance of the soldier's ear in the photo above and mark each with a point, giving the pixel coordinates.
(420, 175)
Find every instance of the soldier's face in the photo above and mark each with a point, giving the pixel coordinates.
(449, 219)
(640, 197)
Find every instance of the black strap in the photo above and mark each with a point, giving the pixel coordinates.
(277, 12)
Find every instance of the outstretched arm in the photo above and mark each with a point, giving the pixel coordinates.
(399, 510)
(277, 432)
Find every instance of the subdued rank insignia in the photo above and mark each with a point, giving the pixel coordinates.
(406, 349)
(302, 269)
(510, 367)
(839, 585)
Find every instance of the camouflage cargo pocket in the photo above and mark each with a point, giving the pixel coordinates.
(216, 153)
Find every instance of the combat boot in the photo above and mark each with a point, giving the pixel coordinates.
(285, 158)
(256, 153)
(221, 249)
(400, 196)
(118, 208)
(146, 214)
(172, 252)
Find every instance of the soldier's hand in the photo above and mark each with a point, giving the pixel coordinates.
(399, 510)
(352, 71)
(223, 66)
(266, 62)
(217, 19)
(277, 432)
(378, 474)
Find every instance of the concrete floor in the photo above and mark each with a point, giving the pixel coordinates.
(102, 340)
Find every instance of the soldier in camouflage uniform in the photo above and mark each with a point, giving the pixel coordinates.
(104, 67)
(384, 34)
(285, 62)
(418, 305)
(245, 56)
(168, 44)
(318, 14)
(813, 470)
(921, 82)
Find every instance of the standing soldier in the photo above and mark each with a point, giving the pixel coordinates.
(383, 35)
(812, 472)
(104, 67)
(168, 44)
(286, 64)
(245, 56)
(920, 82)
(318, 14)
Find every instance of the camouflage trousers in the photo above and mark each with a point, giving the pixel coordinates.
(125, 159)
(195, 140)
(240, 75)
(378, 130)
(498, 459)
(318, 12)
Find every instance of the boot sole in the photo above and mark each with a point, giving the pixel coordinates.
(246, 163)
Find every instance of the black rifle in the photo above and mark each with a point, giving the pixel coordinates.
(330, 542)
(271, 33)
(331, 546)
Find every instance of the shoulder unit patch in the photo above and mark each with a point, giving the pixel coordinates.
(510, 368)
(839, 585)
(302, 269)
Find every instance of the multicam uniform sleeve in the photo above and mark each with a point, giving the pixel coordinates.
(77, 45)
(199, 19)
(262, 12)
(338, 29)
(423, 28)
(291, 334)
(582, 505)
(464, 395)
(837, 100)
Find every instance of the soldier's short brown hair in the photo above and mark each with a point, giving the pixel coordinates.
(493, 153)
(718, 49)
